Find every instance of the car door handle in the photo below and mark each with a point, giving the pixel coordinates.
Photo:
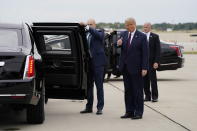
(62, 66)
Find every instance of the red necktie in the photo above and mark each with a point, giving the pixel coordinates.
(129, 39)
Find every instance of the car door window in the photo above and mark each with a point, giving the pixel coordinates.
(57, 43)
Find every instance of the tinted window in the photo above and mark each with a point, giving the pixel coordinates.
(9, 38)
(57, 43)
(114, 38)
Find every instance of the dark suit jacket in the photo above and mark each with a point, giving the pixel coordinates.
(136, 58)
(154, 48)
(97, 47)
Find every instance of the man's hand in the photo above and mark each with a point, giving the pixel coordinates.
(82, 24)
(155, 65)
(144, 72)
(119, 42)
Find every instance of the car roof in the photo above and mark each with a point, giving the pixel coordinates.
(12, 25)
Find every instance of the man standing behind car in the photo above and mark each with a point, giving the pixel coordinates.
(154, 58)
(95, 39)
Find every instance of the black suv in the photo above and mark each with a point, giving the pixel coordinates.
(46, 60)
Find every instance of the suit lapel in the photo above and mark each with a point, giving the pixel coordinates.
(150, 38)
(125, 39)
(134, 39)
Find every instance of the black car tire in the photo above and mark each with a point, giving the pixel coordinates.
(35, 113)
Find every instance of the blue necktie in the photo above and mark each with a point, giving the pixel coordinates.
(89, 36)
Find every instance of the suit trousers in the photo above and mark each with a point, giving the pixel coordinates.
(151, 79)
(133, 92)
(96, 75)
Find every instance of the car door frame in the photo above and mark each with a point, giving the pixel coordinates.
(78, 40)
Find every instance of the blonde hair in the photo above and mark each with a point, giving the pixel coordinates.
(130, 20)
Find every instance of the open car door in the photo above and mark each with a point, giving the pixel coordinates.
(112, 54)
(116, 52)
(63, 48)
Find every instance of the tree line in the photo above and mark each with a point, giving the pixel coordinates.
(160, 27)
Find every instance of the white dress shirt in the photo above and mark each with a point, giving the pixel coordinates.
(147, 35)
(132, 34)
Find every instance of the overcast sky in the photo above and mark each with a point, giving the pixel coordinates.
(154, 11)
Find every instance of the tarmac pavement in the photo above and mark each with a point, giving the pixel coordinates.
(176, 109)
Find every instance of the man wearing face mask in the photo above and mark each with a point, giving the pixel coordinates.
(95, 39)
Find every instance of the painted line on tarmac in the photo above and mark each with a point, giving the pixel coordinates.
(114, 86)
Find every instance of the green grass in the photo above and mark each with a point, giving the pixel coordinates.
(190, 52)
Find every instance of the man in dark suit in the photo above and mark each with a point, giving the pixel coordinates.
(154, 58)
(134, 66)
(95, 39)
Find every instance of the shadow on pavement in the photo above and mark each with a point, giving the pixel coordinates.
(9, 119)
(171, 79)
(159, 79)
(113, 79)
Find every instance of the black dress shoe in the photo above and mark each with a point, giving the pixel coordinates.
(147, 99)
(86, 111)
(136, 117)
(126, 115)
(99, 112)
(154, 100)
